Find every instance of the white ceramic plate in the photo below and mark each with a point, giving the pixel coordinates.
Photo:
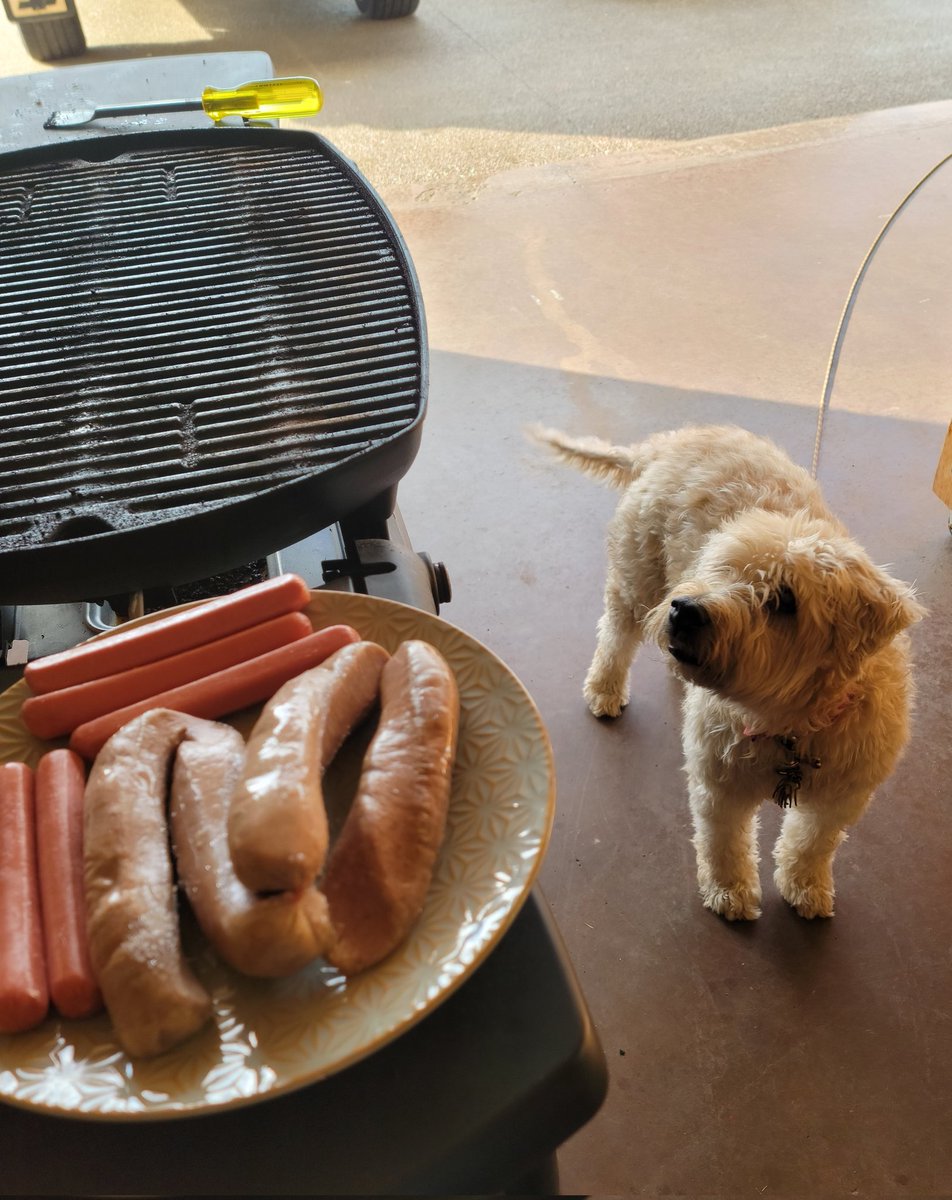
(270, 1037)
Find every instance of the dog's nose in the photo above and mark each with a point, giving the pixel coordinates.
(686, 615)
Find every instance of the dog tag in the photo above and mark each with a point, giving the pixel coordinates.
(791, 773)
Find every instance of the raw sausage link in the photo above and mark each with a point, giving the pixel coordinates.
(269, 936)
(224, 692)
(380, 868)
(153, 998)
(60, 785)
(24, 996)
(277, 825)
(168, 635)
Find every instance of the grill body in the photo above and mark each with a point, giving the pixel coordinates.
(212, 344)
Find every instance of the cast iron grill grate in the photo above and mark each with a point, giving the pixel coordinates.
(189, 328)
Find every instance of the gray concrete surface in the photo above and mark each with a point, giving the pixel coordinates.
(466, 88)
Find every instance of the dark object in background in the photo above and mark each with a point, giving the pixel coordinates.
(51, 28)
(383, 10)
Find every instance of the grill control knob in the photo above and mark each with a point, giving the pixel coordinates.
(439, 579)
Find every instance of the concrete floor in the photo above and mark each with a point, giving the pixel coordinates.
(612, 243)
(467, 88)
(785, 1059)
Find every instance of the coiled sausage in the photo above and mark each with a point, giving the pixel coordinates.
(268, 936)
(153, 998)
(381, 866)
(277, 824)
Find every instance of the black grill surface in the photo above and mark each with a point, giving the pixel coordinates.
(211, 345)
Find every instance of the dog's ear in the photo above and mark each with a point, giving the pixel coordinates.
(880, 609)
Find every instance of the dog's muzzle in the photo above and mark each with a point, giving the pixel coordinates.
(688, 623)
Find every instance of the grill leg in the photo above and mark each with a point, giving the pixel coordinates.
(370, 521)
(542, 1180)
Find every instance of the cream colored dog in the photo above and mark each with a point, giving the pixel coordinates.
(788, 637)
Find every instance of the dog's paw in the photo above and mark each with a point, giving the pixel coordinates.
(809, 897)
(739, 902)
(605, 703)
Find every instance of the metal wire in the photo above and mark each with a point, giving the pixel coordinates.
(848, 309)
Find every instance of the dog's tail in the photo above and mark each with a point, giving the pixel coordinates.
(616, 465)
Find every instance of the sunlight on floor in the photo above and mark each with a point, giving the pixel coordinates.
(453, 161)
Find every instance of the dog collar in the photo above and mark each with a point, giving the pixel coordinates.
(843, 702)
(791, 772)
(791, 769)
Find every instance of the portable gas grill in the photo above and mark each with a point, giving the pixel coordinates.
(212, 346)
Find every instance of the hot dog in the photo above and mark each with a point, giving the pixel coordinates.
(24, 994)
(168, 635)
(59, 712)
(60, 784)
(380, 867)
(224, 692)
(269, 936)
(153, 998)
(277, 825)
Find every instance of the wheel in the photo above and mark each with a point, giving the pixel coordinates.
(383, 10)
(60, 37)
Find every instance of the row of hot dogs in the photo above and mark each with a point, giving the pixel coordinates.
(210, 660)
(249, 832)
(43, 950)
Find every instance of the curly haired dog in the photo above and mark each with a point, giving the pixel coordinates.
(789, 639)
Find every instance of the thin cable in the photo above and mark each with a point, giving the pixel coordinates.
(848, 309)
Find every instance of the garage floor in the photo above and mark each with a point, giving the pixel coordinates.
(785, 1058)
(617, 275)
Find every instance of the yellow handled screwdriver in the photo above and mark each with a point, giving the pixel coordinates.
(292, 97)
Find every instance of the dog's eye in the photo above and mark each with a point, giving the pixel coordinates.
(782, 601)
